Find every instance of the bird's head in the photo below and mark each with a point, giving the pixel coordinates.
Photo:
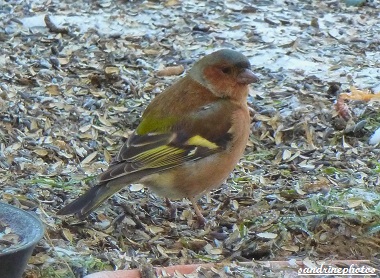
(226, 73)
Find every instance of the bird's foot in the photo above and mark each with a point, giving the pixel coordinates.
(201, 220)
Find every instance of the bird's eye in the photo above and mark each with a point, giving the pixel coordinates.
(226, 70)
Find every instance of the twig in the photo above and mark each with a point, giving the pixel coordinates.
(54, 28)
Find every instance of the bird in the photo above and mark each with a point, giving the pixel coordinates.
(189, 139)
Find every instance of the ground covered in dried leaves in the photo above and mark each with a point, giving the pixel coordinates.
(76, 75)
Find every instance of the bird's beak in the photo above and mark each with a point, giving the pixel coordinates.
(247, 77)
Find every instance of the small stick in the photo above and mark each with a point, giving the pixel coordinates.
(54, 28)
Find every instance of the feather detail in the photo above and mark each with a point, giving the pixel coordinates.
(158, 151)
(201, 142)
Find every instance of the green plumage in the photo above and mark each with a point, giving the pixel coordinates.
(155, 124)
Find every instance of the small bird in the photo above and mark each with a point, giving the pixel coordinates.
(190, 138)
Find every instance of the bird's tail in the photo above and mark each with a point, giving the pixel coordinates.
(96, 195)
(90, 200)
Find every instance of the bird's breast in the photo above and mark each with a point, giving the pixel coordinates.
(196, 177)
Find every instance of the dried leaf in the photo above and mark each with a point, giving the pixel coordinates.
(53, 90)
(89, 158)
(286, 154)
(41, 152)
(67, 234)
(136, 187)
(267, 235)
(168, 71)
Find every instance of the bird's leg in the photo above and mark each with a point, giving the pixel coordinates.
(201, 220)
(172, 209)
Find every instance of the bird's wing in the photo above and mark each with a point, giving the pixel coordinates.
(201, 133)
